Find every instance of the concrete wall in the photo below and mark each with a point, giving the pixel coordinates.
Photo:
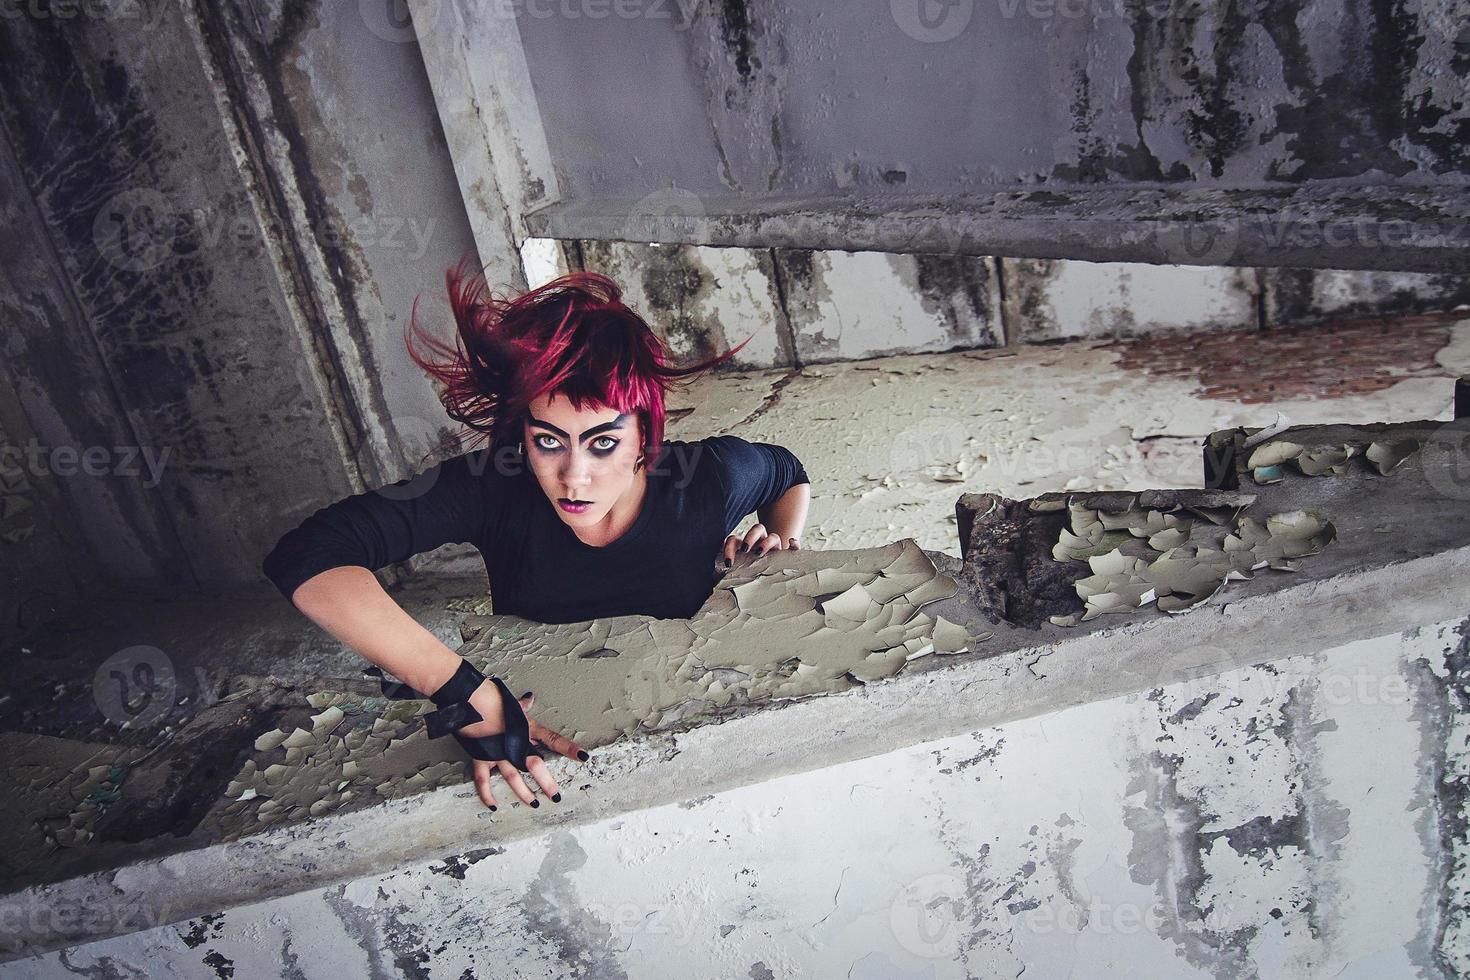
(802, 307)
(1304, 134)
(1303, 816)
(759, 97)
(816, 306)
(1310, 295)
(223, 215)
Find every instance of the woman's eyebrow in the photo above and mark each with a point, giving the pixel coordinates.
(616, 423)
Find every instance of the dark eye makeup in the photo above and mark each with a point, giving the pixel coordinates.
(555, 446)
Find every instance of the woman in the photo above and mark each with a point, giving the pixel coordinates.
(579, 507)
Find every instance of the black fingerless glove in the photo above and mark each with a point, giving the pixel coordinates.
(455, 712)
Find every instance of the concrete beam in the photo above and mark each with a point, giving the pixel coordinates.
(1390, 228)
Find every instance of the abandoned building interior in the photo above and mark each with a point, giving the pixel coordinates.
(1125, 347)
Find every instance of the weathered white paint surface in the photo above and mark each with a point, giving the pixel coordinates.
(806, 306)
(1307, 295)
(1302, 817)
(851, 305)
(701, 301)
(835, 305)
(1054, 299)
(1335, 289)
(543, 260)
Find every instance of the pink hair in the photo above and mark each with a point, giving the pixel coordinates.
(572, 336)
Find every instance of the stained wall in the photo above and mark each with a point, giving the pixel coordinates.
(1304, 815)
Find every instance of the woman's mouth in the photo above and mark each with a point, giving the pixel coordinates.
(573, 506)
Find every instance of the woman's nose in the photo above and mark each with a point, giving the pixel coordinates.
(576, 472)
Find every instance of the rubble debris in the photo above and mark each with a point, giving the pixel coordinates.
(1169, 567)
(1387, 457)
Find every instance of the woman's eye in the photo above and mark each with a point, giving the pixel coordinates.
(602, 444)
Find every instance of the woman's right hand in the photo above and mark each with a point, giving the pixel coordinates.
(486, 700)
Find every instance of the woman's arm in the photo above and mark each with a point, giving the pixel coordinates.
(787, 516)
(325, 568)
(324, 565)
(349, 603)
(765, 478)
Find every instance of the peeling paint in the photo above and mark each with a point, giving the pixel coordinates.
(553, 913)
(1451, 906)
(1208, 93)
(1217, 827)
(700, 301)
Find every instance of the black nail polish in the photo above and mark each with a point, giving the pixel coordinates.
(582, 754)
(526, 695)
(535, 802)
(492, 807)
(556, 797)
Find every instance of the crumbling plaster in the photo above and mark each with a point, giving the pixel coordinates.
(898, 438)
(1352, 588)
(1213, 827)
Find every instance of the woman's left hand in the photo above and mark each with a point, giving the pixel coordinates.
(758, 541)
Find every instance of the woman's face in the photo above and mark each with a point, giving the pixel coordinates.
(586, 455)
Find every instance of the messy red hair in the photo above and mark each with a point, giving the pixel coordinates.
(572, 335)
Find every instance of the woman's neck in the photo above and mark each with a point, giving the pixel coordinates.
(621, 518)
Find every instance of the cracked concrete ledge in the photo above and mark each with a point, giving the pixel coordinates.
(1401, 558)
(940, 697)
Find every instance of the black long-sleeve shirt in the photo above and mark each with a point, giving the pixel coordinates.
(663, 566)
